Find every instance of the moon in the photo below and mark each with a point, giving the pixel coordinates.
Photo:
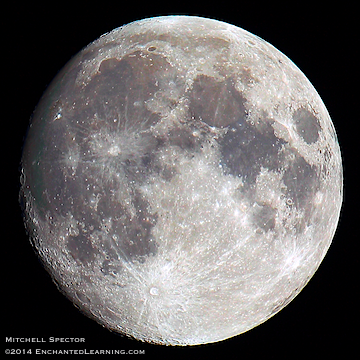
(181, 180)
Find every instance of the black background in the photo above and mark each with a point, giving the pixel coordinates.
(38, 39)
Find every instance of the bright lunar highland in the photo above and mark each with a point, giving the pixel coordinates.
(181, 180)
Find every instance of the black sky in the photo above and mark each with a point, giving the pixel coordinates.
(38, 40)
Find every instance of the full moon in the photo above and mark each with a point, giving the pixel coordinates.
(181, 180)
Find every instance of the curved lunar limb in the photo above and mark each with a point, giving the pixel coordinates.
(181, 180)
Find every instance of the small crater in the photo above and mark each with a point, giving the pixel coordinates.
(283, 302)
(151, 48)
(167, 172)
(80, 296)
(154, 291)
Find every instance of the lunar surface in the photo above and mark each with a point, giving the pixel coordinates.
(181, 180)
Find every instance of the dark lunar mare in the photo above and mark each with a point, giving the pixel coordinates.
(247, 146)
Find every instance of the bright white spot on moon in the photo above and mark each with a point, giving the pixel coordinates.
(114, 150)
(181, 180)
(154, 291)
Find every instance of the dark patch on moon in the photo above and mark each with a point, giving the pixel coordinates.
(307, 125)
(108, 268)
(301, 180)
(80, 248)
(183, 138)
(134, 240)
(123, 86)
(216, 103)
(108, 65)
(264, 217)
(246, 148)
(138, 240)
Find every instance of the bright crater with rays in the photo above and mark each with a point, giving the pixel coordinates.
(181, 180)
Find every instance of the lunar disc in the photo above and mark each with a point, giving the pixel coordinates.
(181, 180)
